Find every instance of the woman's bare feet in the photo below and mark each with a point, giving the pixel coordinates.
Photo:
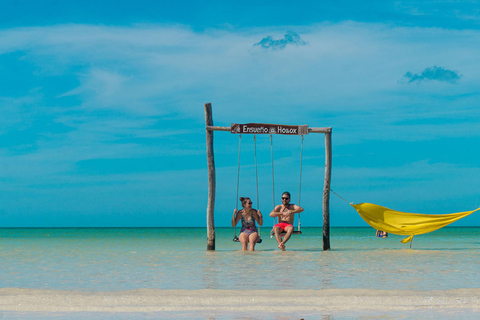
(281, 246)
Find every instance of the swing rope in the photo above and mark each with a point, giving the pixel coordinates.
(256, 171)
(300, 183)
(256, 181)
(273, 177)
(235, 238)
(273, 180)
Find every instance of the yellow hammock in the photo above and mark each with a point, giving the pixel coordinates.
(403, 223)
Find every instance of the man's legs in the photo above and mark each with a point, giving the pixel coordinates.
(278, 237)
(289, 231)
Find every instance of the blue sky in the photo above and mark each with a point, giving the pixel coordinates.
(102, 120)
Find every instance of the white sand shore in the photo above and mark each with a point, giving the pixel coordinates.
(152, 300)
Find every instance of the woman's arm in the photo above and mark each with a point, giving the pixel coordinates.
(236, 217)
(259, 217)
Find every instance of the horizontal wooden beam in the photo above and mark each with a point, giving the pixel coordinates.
(310, 130)
(215, 128)
(320, 130)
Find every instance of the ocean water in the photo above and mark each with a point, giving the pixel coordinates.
(111, 259)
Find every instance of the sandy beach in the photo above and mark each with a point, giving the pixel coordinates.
(152, 300)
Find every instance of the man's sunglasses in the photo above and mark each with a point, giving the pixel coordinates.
(283, 198)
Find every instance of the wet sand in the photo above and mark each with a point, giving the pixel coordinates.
(226, 301)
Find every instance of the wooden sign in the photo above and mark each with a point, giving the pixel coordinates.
(267, 128)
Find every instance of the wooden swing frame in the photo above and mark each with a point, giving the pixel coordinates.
(210, 128)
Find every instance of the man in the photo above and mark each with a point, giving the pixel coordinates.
(285, 213)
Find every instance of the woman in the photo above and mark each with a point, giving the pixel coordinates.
(382, 234)
(248, 216)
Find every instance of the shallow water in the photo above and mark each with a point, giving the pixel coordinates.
(176, 258)
(327, 315)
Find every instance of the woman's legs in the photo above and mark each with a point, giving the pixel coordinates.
(253, 241)
(243, 240)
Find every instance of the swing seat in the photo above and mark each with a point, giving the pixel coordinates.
(235, 239)
(272, 234)
(294, 232)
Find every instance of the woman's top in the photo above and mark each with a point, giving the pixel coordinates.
(248, 226)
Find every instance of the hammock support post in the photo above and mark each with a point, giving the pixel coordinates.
(210, 128)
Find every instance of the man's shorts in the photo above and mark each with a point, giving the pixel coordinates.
(283, 225)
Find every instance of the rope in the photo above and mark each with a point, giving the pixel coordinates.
(340, 197)
(256, 177)
(300, 183)
(273, 179)
(238, 180)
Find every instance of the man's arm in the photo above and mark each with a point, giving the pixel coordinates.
(276, 212)
(296, 209)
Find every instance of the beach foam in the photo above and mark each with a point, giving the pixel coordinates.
(153, 300)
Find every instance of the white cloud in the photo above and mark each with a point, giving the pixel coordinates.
(153, 70)
(347, 66)
(348, 70)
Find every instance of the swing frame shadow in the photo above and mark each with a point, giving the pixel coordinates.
(210, 128)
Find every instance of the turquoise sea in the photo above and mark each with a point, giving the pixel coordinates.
(103, 259)
(116, 259)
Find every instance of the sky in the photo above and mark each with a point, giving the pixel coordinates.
(102, 108)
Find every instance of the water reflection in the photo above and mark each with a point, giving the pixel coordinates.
(209, 270)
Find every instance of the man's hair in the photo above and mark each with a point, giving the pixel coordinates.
(287, 193)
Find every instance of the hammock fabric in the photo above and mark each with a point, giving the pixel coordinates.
(403, 223)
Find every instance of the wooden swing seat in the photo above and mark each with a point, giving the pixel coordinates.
(294, 232)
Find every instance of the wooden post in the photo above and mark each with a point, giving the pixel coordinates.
(326, 191)
(211, 179)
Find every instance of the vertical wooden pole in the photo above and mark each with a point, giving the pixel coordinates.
(326, 191)
(211, 179)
